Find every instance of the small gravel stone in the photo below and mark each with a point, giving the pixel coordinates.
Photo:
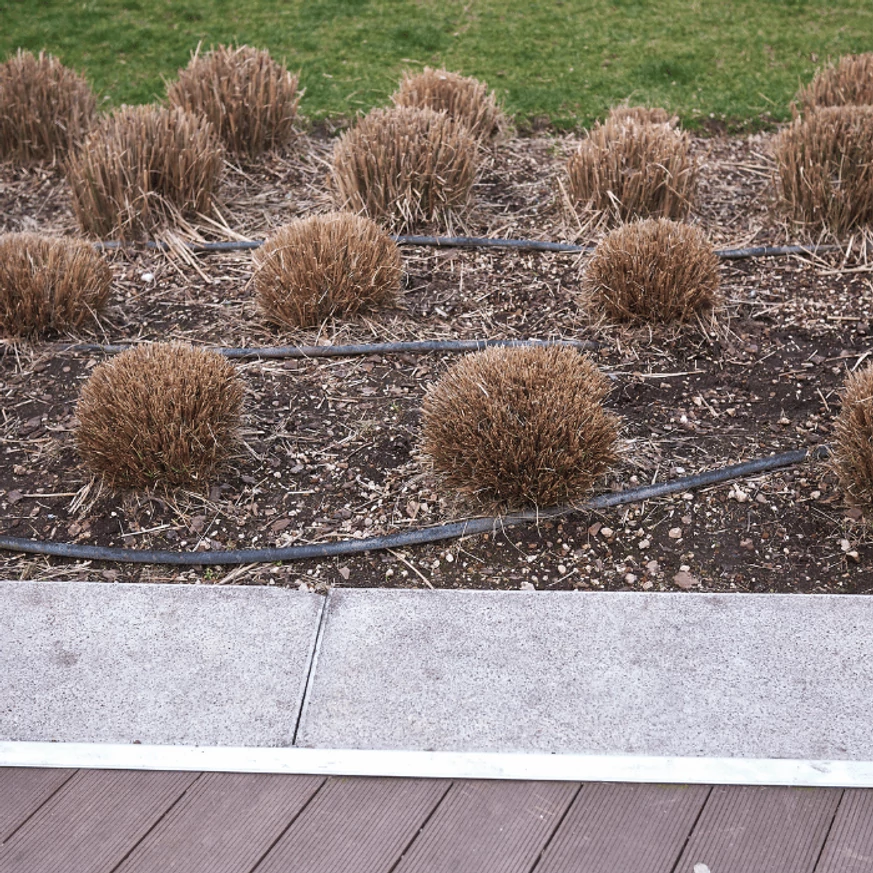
(607, 532)
(685, 580)
(675, 533)
(644, 544)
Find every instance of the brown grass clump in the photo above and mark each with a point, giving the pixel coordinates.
(406, 166)
(653, 270)
(824, 166)
(161, 414)
(461, 97)
(848, 82)
(144, 166)
(250, 99)
(323, 265)
(642, 115)
(513, 428)
(629, 168)
(49, 284)
(853, 445)
(45, 108)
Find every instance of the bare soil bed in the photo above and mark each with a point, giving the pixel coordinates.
(331, 444)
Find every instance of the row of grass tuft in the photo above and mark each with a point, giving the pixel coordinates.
(563, 63)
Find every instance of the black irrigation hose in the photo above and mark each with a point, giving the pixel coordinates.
(528, 245)
(407, 538)
(413, 347)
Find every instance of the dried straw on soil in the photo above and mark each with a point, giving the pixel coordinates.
(848, 82)
(161, 414)
(513, 428)
(45, 108)
(461, 97)
(627, 169)
(853, 446)
(142, 167)
(250, 99)
(824, 166)
(405, 166)
(325, 265)
(653, 270)
(49, 284)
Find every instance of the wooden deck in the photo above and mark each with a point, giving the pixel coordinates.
(105, 821)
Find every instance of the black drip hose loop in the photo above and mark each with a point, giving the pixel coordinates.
(527, 245)
(409, 538)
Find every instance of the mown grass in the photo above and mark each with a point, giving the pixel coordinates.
(563, 61)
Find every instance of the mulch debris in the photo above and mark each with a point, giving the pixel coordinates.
(331, 445)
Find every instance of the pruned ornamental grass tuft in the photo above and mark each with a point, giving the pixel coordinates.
(325, 265)
(627, 168)
(49, 284)
(642, 115)
(405, 166)
(462, 98)
(250, 98)
(45, 108)
(654, 270)
(853, 445)
(159, 415)
(522, 427)
(824, 168)
(849, 82)
(143, 167)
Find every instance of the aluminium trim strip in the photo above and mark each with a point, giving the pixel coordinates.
(443, 765)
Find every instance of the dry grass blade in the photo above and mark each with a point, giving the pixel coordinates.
(853, 444)
(141, 167)
(653, 270)
(824, 166)
(514, 428)
(49, 284)
(323, 265)
(160, 414)
(632, 169)
(45, 108)
(462, 98)
(406, 166)
(250, 99)
(848, 82)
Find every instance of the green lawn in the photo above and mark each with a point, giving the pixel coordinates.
(565, 61)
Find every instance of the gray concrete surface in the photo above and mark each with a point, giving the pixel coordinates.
(622, 673)
(180, 664)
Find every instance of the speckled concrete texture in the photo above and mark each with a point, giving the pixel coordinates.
(609, 673)
(179, 664)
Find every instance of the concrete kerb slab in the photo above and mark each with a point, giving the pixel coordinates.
(722, 676)
(161, 664)
(743, 689)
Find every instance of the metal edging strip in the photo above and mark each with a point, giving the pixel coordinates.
(443, 765)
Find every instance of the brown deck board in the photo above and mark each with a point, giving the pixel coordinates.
(501, 827)
(224, 824)
(849, 846)
(92, 822)
(23, 790)
(765, 830)
(355, 824)
(617, 827)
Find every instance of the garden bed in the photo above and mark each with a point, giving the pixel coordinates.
(331, 444)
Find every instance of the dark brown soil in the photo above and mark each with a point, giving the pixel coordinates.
(331, 444)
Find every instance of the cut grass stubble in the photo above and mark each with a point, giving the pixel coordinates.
(142, 167)
(519, 428)
(159, 415)
(404, 166)
(250, 99)
(49, 284)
